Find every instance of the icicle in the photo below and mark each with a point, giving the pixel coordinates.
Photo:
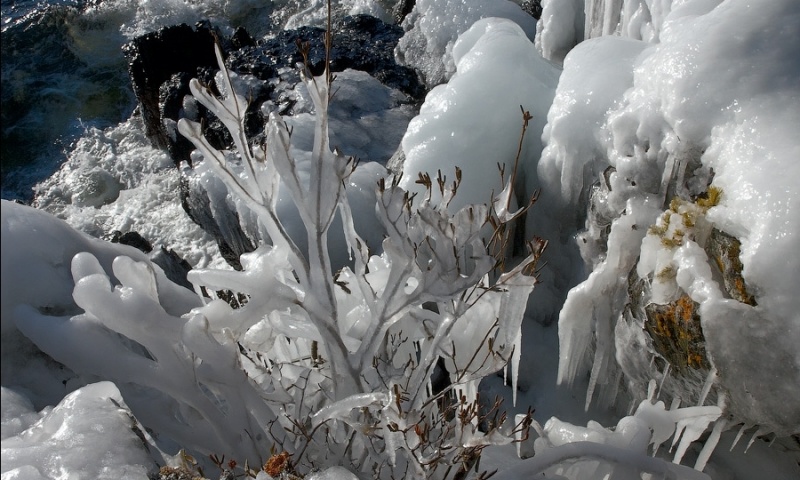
(651, 391)
(710, 445)
(694, 422)
(632, 406)
(739, 436)
(760, 431)
(663, 379)
(199, 291)
(515, 356)
(599, 362)
(676, 403)
(712, 376)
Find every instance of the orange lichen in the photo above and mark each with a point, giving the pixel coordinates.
(277, 464)
(710, 199)
(676, 333)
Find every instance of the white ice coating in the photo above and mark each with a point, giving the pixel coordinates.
(718, 88)
(90, 434)
(433, 27)
(474, 121)
(566, 23)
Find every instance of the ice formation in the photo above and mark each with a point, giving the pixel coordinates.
(697, 128)
(673, 98)
(433, 27)
(90, 434)
(566, 23)
(474, 121)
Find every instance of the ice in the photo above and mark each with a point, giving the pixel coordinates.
(90, 434)
(560, 28)
(18, 413)
(674, 95)
(565, 24)
(433, 27)
(474, 121)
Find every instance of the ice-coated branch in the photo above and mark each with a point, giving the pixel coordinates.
(364, 334)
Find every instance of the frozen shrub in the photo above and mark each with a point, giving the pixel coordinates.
(333, 367)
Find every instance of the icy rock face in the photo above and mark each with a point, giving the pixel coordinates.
(90, 434)
(433, 27)
(687, 171)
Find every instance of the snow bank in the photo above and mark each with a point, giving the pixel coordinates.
(715, 102)
(433, 27)
(474, 121)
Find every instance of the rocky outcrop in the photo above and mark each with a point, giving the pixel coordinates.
(724, 251)
(154, 58)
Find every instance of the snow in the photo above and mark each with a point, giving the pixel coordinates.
(625, 95)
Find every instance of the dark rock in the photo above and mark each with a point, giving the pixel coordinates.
(532, 8)
(724, 250)
(225, 228)
(162, 63)
(676, 333)
(133, 239)
(360, 42)
(174, 267)
(154, 58)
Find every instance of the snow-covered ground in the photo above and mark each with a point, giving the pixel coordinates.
(640, 109)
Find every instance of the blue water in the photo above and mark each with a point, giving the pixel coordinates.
(54, 86)
(63, 70)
